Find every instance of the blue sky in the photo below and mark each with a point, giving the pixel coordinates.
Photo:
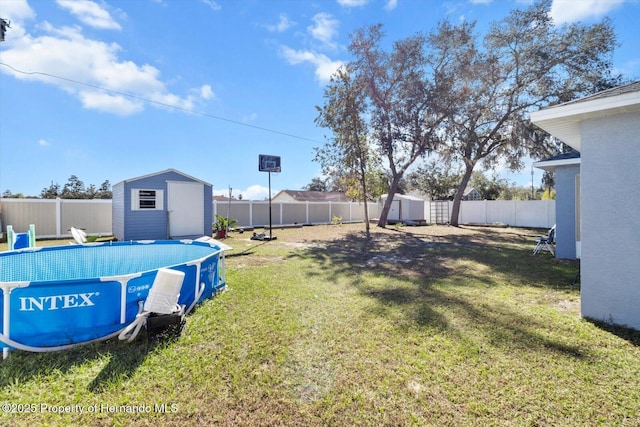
(204, 86)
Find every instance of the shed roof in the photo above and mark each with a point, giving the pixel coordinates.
(403, 196)
(563, 120)
(164, 172)
(315, 196)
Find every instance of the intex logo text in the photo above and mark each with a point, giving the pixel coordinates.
(57, 302)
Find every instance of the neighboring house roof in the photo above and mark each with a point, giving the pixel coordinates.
(164, 172)
(563, 120)
(564, 159)
(469, 190)
(313, 196)
(471, 193)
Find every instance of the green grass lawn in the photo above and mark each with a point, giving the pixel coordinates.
(416, 326)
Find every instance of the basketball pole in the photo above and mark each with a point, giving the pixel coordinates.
(270, 236)
(269, 164)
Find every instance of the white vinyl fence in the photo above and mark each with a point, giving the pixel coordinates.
(54, 218)
(516, 213)
(256, 213)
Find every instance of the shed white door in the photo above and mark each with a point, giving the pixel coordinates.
(185, 203)
(394, 211)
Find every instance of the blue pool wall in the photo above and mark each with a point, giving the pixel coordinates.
(51, 313)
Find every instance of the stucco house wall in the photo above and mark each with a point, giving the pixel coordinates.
(611, 209)
(605, 128)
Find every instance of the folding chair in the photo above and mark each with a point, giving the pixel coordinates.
(546, 242)
(21, 240)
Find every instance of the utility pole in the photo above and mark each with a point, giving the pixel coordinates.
(532, 192)
(228, 210)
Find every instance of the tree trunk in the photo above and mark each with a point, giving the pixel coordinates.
(457, 199)
(364, 199)
(382, 222)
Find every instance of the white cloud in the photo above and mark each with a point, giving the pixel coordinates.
(391, 4)
(325, 28)
(325, 67)
(206, 92)
(212, 4)
(284, 23)
(16, 10)
(90, 13)
(92, 71)
(253, 192)
(103, 101)
(43, 143)
(352, 3)
(566, 11)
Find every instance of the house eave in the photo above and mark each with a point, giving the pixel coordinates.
(563, 121)
(550, 165)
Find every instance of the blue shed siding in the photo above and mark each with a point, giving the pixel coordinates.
(566, 211)
(151, 224)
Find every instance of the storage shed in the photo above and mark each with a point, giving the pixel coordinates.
(162, 205)
(406, 209)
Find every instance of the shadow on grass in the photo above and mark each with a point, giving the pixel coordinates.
(123, 360)
(414, 255)
(630, 335)
(418, 274)
(248, 251)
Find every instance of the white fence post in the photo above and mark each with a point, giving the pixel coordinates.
(58, 217)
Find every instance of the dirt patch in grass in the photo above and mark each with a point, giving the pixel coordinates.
(422, 251)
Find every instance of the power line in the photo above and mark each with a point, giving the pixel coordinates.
(139, 98)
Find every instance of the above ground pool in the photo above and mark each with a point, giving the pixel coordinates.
(56, 297)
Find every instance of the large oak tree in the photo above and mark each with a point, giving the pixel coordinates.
(523, 63)
(402, 101)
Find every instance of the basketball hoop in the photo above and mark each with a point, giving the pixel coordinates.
(271, 164)
(268, 163)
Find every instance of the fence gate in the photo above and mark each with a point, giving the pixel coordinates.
(440, 211)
